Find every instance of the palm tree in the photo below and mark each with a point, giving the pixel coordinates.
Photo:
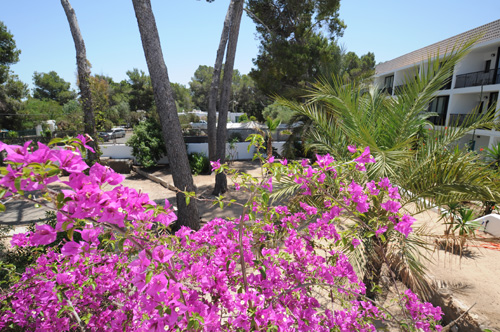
(493, 155)
(421, 161)
(271, 125)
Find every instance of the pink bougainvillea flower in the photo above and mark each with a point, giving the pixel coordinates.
(355, 242)
(271, 159)
(99, 174)
(215, 165)
(71, 248)
(381, 230)
(310, 210)
(373, 188)
(162, 254)
(43, 235)
(157, 284)
(391, 206)
(85, 139)
(20, 240)
(404, 225)
(384, 183)
(363, 159)
(70, 161)
(284, 162)
(352, 148)
(268, 184)
(325, 160)
(65, 279)
(394, 193)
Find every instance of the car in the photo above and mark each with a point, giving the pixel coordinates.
(118, 132)
(105, 136)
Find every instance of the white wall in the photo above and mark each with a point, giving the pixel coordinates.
(476, 60)
(463, 103)
(239, 152)
(402, 76)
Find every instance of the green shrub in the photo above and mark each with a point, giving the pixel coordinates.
(12, 134)
(199, 163)
(235, 138)
(243, 118)
(147, 143)
(18, 259)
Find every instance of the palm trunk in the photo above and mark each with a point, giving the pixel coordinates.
(214, 87)
(220, 179)
(269, 145)
(83, 78)
(188, 215)
(373, 270)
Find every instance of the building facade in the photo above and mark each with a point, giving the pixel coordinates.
(474, 87)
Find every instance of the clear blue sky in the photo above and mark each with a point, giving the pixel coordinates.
(190, 32)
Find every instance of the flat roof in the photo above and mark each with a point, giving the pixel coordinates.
(488, 31)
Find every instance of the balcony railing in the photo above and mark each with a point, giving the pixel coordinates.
(437, 120)
(459, 119)
(477, 79)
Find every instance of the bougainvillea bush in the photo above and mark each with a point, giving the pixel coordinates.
(275, 268)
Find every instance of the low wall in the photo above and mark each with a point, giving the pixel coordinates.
(238, 151)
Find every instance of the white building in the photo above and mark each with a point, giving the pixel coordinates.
(231, 116)
(475, 82)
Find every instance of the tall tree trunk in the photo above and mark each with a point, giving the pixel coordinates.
(188, 215)
(220, 179)
(83, 78)
(214, 87)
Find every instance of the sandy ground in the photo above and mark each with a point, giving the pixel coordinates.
(474, 279)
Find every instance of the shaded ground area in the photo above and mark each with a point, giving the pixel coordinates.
(20, 213)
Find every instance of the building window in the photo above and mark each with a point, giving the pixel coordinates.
(439, 106)
(487, 66)
(388, 83)
(492, 103)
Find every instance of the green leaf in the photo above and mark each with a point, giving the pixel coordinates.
(17, 183)
(263, 273)
(70, 233)
(120, 243)
(53, 172)
(86, 318)
(149, 275)
(188, 200)
(265, 198)
(2, 207)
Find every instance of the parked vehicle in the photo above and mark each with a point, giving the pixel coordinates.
(105, 136)
(118, 132)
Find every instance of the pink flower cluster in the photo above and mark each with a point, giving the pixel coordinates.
(424, 315)
(125, 275)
